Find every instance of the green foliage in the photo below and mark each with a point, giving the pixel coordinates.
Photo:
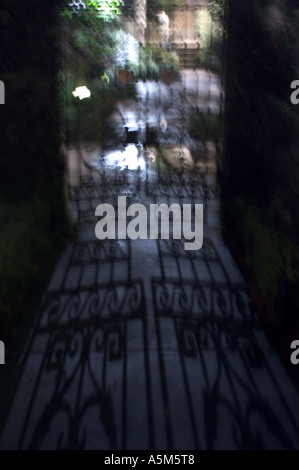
(204, 126)
(152, 57)
(217, 11)
(26, 240)
(204, 26)
(168, 59)
(94, 111)
(147, 67)
(88, 40)
(89, 45)
(269, 255)
(107, 9)
(209, 31)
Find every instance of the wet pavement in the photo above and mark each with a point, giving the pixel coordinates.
(141, 344)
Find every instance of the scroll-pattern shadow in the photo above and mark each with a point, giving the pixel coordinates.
(233, 398)
(86, 331)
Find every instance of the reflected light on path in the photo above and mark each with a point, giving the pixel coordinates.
(130, 158)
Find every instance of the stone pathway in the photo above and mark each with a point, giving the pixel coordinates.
(140, 344)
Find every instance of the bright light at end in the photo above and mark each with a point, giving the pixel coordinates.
(81, 92)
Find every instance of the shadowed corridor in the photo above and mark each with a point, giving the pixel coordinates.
(140, 344)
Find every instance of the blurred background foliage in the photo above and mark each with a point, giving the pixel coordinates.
(152, 58)
(209, 28)
(89, 45)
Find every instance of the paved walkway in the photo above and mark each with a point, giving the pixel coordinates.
(140, 344)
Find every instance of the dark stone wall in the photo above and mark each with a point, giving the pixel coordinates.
(259, 170)
(261, 123)
(30, 120)
(33, 215)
